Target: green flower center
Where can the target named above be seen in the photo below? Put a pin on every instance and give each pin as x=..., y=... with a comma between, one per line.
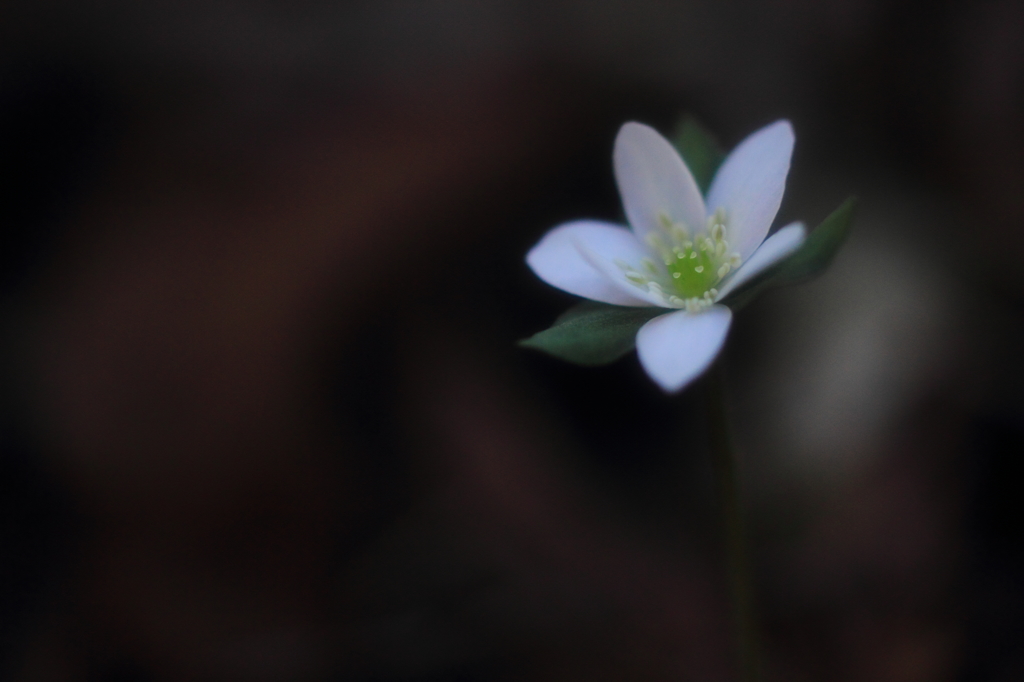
x=691, y=264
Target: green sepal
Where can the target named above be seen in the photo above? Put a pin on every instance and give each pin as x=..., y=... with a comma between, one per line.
x=699, y=150
x=821, y=246
x=809, y=261
x=592, y=333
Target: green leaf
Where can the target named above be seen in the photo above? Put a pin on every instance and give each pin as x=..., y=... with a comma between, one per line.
x=821, y=246
x=699, y=150
x=592, y=333
x=809, y=261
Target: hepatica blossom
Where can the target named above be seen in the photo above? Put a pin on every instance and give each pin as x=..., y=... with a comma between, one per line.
x=667, y=283
x=683, y=252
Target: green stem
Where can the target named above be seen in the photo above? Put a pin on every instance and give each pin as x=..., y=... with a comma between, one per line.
x=723, y=456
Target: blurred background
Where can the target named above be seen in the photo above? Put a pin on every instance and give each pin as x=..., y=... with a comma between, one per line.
x=262, y=416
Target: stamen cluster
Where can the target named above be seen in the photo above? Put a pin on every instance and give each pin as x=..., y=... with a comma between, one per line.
x=691, y=265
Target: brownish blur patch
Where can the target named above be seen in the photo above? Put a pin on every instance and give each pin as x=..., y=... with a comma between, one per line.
x=180, y=357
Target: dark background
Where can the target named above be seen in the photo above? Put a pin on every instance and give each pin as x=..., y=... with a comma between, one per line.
x=262, y=413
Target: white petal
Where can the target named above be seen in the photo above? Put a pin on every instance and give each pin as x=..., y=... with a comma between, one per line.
x=780, y=245
x=557, y=260
x=653, y=180
x=750, y=183
x=676, y=348
x=605, y=256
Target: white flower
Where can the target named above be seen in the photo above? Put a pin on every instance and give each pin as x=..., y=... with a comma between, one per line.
x=683, y=252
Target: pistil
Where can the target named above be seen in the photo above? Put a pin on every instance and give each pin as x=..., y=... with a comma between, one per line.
x=691, y=265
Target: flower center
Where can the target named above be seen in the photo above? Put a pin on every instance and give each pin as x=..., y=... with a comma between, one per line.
x=691, y=265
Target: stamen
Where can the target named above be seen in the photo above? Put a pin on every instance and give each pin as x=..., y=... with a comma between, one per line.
x=690, y=263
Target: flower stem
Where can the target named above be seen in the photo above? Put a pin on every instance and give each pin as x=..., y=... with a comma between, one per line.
x=723, y=456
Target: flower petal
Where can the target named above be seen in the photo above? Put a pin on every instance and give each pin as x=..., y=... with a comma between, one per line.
x=777, y=247
x=557, y=260
x=675, y=349
x=653, y=180
x=605, y=257
x=750, y=183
